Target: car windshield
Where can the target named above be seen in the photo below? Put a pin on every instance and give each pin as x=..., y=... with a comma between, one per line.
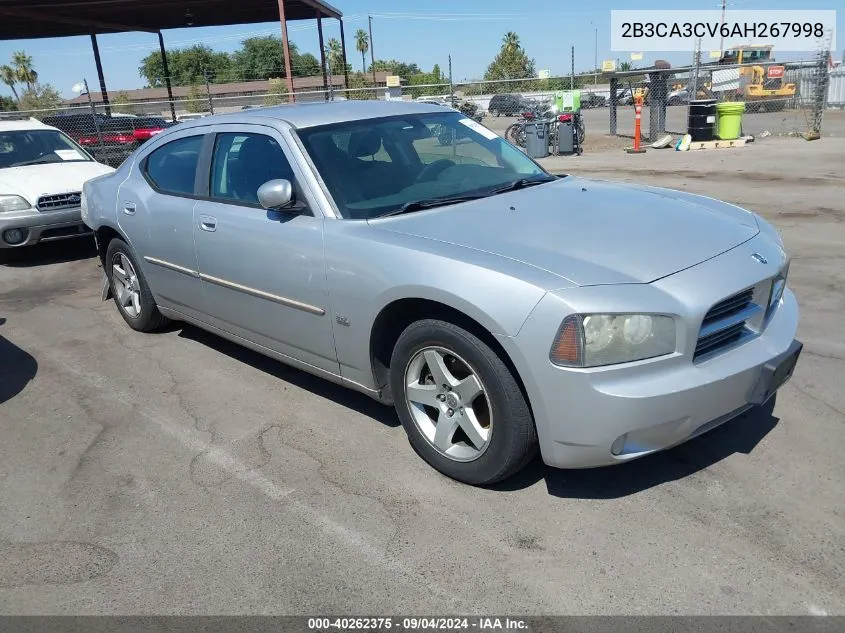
x=38, y=147
x=378, y=167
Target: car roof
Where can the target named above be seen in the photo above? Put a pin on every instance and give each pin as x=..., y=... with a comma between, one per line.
x=23, y=124
x=305, y=115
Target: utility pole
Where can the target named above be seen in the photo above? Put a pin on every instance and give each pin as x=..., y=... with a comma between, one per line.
x=596, y=60
x=372, y=50
x=451, y=86
x=94, y=115
x=572, y=76
x=696, y=61
x=722, y=40
x=208, y=92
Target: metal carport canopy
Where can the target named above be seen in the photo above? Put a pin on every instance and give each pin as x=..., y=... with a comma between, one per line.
x=29, y=19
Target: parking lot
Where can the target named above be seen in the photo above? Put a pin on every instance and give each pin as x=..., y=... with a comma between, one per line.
x=176, y=473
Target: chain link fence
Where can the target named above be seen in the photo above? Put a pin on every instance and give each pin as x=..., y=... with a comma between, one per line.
x=780, y=99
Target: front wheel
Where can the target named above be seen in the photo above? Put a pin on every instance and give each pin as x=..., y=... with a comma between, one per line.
x=460, y=405
x=129, y=288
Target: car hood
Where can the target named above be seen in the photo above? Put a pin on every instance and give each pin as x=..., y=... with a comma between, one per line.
x=33, y=181
x=589, y=232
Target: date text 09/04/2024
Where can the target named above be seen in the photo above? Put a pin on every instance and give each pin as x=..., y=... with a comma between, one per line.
x=417, y=623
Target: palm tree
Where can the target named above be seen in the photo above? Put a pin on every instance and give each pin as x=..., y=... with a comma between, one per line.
x=22, y=64
x=362, y=45
x=510, y=40
x=334, y=52
x=9, y=77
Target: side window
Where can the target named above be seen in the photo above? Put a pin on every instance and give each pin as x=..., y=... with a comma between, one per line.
x=172, y=168
x=242, y=162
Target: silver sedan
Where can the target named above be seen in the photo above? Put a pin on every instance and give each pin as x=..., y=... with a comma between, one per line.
x=500, y=309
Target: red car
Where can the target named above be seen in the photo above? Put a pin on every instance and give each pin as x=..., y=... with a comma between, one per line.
x=121, y=136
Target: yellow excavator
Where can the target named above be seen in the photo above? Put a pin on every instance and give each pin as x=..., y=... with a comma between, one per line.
x=762, y=87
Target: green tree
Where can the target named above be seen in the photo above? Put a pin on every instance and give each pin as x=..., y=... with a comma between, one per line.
x=334, y=56
x=42, y=97
x=276, y=92
x=510, y=63
x=362, y=45
x=436, y=72
x=187, y=66
x=9, y=77
x=395, y=67
x=307, y=65
x=122, y=103
x=264, y=58
x=626, y=66
x=22, y=63
x=7, y=104
x=197, y=99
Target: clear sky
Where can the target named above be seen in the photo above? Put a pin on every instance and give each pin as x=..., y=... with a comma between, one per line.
x=407, y=30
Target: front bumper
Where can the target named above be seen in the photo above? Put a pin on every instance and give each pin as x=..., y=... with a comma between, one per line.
x=43, y=226
x=607, y=415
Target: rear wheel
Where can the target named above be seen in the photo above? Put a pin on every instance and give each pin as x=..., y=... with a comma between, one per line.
x=129, y=289
x=460, y=405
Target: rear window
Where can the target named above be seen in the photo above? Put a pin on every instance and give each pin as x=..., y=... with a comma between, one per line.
x=172, y=168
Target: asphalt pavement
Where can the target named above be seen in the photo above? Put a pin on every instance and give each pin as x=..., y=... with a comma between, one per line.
x=176, y=473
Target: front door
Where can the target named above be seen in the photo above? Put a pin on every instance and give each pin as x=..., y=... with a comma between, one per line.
x=263, y=272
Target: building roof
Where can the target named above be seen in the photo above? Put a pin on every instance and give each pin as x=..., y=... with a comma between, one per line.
x=27, y=19
x=219, y=90
x=304, y=115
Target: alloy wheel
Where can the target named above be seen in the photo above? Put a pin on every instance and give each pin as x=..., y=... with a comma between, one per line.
x=449, y=403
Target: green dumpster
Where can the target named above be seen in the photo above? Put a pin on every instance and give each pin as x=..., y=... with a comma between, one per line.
x=729, y=123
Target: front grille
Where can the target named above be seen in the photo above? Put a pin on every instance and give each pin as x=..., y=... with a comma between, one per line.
x=738, y=317
x=59, y=201
x=722, y=338
x=730, y=306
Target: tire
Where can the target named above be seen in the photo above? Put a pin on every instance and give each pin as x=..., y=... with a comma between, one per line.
x=132, y=296
x=516, y=134
x=499, y=449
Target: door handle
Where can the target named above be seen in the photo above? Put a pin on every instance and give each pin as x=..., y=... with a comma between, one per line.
x=208, y=223
x=129, y=208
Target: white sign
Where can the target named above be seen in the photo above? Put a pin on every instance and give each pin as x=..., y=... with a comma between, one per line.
x=544, y=74
x=68, y=154
x=477, y=127
x=680, y=29
x=635, y=57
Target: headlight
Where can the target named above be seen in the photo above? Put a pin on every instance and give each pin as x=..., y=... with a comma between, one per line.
x=591, y=340
x=778, y=286
x=13, y=203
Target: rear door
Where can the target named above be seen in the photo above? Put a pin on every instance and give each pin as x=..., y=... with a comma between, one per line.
x=156, y=212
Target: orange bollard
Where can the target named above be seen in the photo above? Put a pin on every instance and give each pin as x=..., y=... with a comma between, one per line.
x=638, y=115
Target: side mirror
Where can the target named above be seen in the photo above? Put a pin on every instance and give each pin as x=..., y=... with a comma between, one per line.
x=275, y=194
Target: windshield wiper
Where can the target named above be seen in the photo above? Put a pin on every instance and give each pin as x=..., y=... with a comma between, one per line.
x=430, y=203
x=522, y=183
